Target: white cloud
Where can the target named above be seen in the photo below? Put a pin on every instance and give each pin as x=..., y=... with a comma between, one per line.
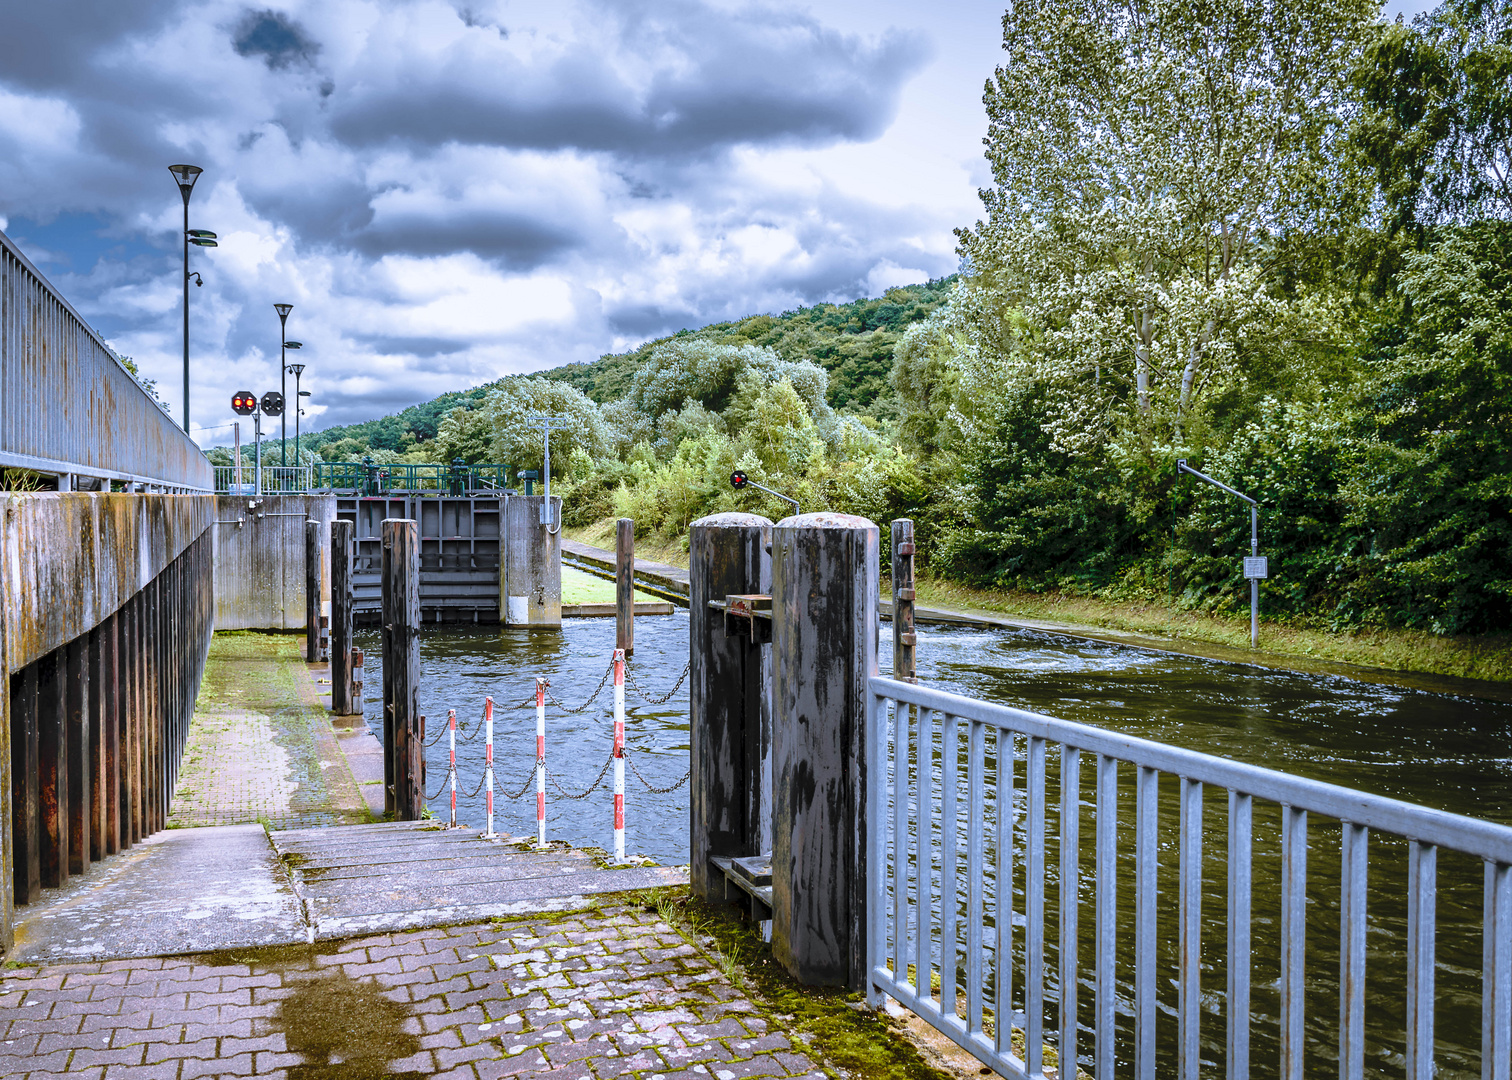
x=447, y=196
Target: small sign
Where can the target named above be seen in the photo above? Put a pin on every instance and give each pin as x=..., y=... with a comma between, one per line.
x=1256, y=566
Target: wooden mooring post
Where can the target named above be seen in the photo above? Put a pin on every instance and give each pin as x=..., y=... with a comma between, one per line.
x=730, y=806
x=402, y=741
x=342, y=554
x=624, y=585
x=824, y=648
x=312, y=591
x=905, y=635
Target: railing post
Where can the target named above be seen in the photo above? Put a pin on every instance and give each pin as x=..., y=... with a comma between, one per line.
x=341, y=617
x=401, y=667
x=824, y=648
x=730, y=719
x=312, y=591
x=624, y=585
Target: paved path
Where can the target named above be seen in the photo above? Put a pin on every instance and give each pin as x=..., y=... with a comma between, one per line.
x=609, y=993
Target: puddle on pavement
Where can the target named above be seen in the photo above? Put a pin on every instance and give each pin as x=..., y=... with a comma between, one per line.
x=342, y=1027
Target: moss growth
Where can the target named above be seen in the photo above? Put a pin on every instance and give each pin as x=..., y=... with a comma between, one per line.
x=852, y=1039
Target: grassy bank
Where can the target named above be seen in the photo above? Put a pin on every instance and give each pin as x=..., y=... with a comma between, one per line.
x=1487, y=656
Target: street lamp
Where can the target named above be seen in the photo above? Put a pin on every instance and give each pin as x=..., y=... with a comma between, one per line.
x=186, y=175
x=283, y=382
x=298, y=393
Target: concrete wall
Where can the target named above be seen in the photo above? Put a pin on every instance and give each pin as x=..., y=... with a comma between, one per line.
x=75, y=568
x=73, y=558
x=530, y=566
x=260, y=559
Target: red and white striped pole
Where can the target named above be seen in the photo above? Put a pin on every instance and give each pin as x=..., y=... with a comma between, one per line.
x=619, y=755
x=451, y=728
x=488, y=758
x=540, y=761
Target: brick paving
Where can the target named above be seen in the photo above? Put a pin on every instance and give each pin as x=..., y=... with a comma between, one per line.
x=606, y=993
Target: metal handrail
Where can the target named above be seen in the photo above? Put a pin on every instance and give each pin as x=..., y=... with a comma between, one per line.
x=373, y=478
x=68, y=407
x=898, y=712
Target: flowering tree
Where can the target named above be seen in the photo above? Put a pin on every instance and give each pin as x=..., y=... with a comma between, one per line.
x=1155, y=166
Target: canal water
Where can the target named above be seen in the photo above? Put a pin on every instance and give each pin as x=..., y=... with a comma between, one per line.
x=1452, y=752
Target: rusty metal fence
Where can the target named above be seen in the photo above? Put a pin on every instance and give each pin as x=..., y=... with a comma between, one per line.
x=68, y=408
x=978, y=883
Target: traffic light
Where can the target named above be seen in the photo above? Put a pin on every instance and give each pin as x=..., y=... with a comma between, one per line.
x=272, y=403
x=737, y=479
x=243, y=403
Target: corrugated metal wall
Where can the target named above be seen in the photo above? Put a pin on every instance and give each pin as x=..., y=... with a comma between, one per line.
x=260, y=559
x=66, y=406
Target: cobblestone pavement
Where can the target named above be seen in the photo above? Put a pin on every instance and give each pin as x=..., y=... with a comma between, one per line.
x=261, y=747
x=606, y=993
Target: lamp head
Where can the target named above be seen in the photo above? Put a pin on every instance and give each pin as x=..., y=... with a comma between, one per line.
x=296, y=369
x=283, y=311
x=185, y=175
x=293, y=344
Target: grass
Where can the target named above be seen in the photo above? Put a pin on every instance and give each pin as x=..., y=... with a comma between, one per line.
x=581, y=588
x=1486, y=656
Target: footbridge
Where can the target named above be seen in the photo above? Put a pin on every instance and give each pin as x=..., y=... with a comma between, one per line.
x=105, y=593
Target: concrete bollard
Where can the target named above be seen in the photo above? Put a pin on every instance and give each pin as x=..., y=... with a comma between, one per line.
x=730, y=734
x=402, y=741
x=530, y=565
x=624, y=585
x=342, y=533
x=824, y=648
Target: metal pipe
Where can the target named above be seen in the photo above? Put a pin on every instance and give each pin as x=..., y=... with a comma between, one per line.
x=1183, y=467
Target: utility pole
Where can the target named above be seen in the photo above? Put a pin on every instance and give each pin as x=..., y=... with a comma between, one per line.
x=546, y=422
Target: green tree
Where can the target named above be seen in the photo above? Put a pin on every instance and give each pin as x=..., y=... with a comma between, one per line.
x=1437, y=117
x=515, y=440
x=1156, y=167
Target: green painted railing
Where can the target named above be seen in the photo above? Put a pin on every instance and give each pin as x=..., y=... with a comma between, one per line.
x=375, y=479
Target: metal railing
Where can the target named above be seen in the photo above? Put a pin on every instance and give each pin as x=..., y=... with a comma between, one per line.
x=275, y=480
x=959, y=788
x=67, y=407
x=375, y=479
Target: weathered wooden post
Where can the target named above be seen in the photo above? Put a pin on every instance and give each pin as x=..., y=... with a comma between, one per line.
x=624, y=585
x=342, y=532
x=80, y=747
x=905, y=637
x=312, y=591
x=26, y=813
x=824, y=648
x=401, y=667
x=52, y=761
x=730, y=722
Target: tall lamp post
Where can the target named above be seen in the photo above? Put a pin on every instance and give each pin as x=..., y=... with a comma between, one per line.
x=283, y=379
x=297, y=369
x=186, y=175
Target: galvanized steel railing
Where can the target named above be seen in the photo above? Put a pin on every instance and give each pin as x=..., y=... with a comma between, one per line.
x=989, y=829
x=274, y=480
x=67, y=407
x=373, y=479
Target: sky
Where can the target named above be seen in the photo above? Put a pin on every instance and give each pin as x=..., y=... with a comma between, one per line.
x=449, y=192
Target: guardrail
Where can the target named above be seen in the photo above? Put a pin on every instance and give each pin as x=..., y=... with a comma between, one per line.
x=275, y=480
x=375, y=479
x=68, y=408
x=958, y=788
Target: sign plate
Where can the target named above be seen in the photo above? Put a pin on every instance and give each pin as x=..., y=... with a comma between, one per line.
x=1256, y=566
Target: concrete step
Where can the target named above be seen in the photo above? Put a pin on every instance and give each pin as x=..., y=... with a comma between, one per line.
x=401, y=875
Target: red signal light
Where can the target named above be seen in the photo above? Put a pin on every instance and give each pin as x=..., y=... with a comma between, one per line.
x=243, y=403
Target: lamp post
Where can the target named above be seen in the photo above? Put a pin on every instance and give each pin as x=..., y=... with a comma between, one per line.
x=1255, y=567
x=283, y=381
x=186, y=175
x=297, y=369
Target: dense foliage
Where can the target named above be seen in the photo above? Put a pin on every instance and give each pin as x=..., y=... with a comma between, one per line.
x=1271, y=238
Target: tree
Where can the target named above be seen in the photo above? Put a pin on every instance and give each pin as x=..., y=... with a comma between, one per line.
x=517, y=441
x=1156, y=166
x=1437, y=117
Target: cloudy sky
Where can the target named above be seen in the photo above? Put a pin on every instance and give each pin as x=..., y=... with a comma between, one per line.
x=452, y=191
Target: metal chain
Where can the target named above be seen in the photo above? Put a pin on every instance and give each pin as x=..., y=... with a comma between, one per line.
x=591, y=697
x=529, y=779
x=433, y=740
x=659, y=790
x=657, y=699
x=482, y=776
x=439, y=790
x=583, y=795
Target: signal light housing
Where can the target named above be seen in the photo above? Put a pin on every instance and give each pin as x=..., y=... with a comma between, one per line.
x=243, y=403
x=738, y=479
x=272, y=403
